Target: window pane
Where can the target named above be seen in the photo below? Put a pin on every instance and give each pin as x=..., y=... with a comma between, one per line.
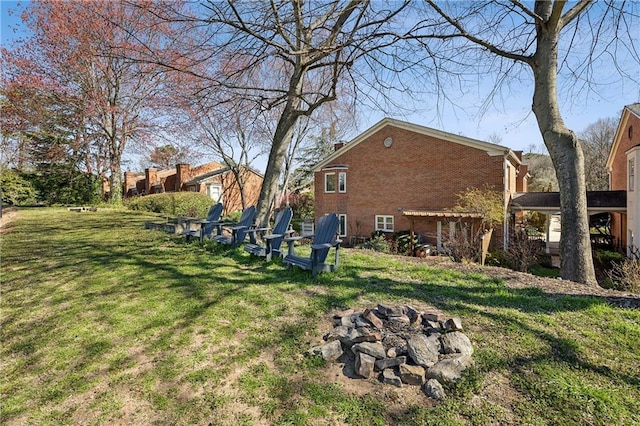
x=330, y=182
x=343, y=225
x=342, y=182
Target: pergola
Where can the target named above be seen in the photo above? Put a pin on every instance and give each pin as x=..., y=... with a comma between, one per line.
x=439, y=216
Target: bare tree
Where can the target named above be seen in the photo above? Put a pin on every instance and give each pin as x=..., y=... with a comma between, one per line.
x=539, y=40
x=300, y=52
x=597, y=139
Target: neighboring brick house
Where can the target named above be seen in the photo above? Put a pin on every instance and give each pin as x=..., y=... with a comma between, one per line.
x=623, y=165
x=213, y=179
x=397, y=175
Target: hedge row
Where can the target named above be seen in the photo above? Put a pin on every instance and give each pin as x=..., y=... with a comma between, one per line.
x=192, y=204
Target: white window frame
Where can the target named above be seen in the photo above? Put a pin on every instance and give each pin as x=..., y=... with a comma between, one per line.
x=386, y=221
x=326, y=181
x=632, y=173
x=342, y=229
x=210, y=187
x=342, y=182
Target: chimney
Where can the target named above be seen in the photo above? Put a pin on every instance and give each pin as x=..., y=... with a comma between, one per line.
x=183, y=173
x=337, y=146
x=151, y=177
x=129, y=182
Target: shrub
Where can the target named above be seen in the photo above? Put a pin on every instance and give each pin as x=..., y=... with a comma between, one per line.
x=462, y=249
x=302, y=205
x=16, y=189
x=604, y=259
x=377, y=243
x=402, y=242
x=625, y=275
x=524, y=252
x=498, y=257
x=193, y=204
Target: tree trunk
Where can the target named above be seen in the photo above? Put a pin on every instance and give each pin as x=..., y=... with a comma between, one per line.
x=115, y=179
x=576, y=262
x=281, y=140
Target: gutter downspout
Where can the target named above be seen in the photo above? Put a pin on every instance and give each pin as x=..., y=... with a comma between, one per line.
x=505, y=223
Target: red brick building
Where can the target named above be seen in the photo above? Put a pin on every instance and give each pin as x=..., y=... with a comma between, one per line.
x=213, y=179
x=623, y=165
x=397, y=175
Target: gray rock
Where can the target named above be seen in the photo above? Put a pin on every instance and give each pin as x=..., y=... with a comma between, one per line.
x=395, y=311
x=383, y=309
x=400, y=319
x=434, y=389
x=390, y=378
x=385, y=363
x=412, y=374
x=375, y=349
x=331, y=351
x=412, y=313
x=364, y=365
x=436, y=325
x=450, y=370
x=346, y=320
x=453, y=324
x=338, y=333
x=344, y=313
x=360, y=321
x=359, y=335
x=423, y=350
x=456, y=342
x=433, y=316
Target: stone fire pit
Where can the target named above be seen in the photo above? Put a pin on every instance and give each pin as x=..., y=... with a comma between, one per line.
x=400, y=346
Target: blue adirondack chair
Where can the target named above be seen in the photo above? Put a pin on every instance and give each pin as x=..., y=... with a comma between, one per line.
x=238, y=230
x=206, y=226
x=272, y=241
x=324, y=238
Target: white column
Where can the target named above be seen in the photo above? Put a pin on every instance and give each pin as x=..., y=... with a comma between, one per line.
x=439, y=236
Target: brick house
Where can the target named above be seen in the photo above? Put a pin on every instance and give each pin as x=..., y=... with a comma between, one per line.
x=213, y=179
x=398, y=176
x=623, y=165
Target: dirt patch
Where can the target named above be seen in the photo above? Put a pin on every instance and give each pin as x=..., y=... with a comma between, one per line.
x=8, y=215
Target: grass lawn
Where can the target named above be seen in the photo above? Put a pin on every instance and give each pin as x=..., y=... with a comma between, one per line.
x=104, y=322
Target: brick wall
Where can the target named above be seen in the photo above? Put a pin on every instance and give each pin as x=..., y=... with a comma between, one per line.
x=629, y=137
x=627, y=141
x=416, y=172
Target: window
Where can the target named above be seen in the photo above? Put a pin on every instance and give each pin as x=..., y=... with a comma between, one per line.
x=330, y=182
x=342, y=182
x=343, y=225
x=214, y=191
x=384, y=223
x=632, y=173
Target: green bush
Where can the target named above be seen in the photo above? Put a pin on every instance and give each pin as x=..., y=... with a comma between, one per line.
x=16, y=189
x=402, y=242
x=377, y=243
x=498, y=257
x=192, y=204
x=604, y=259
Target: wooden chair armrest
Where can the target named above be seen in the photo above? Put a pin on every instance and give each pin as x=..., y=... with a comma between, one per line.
x=325, y=245
x=272, y=236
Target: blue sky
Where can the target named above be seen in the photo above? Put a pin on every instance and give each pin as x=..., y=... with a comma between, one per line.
x=510, y=118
